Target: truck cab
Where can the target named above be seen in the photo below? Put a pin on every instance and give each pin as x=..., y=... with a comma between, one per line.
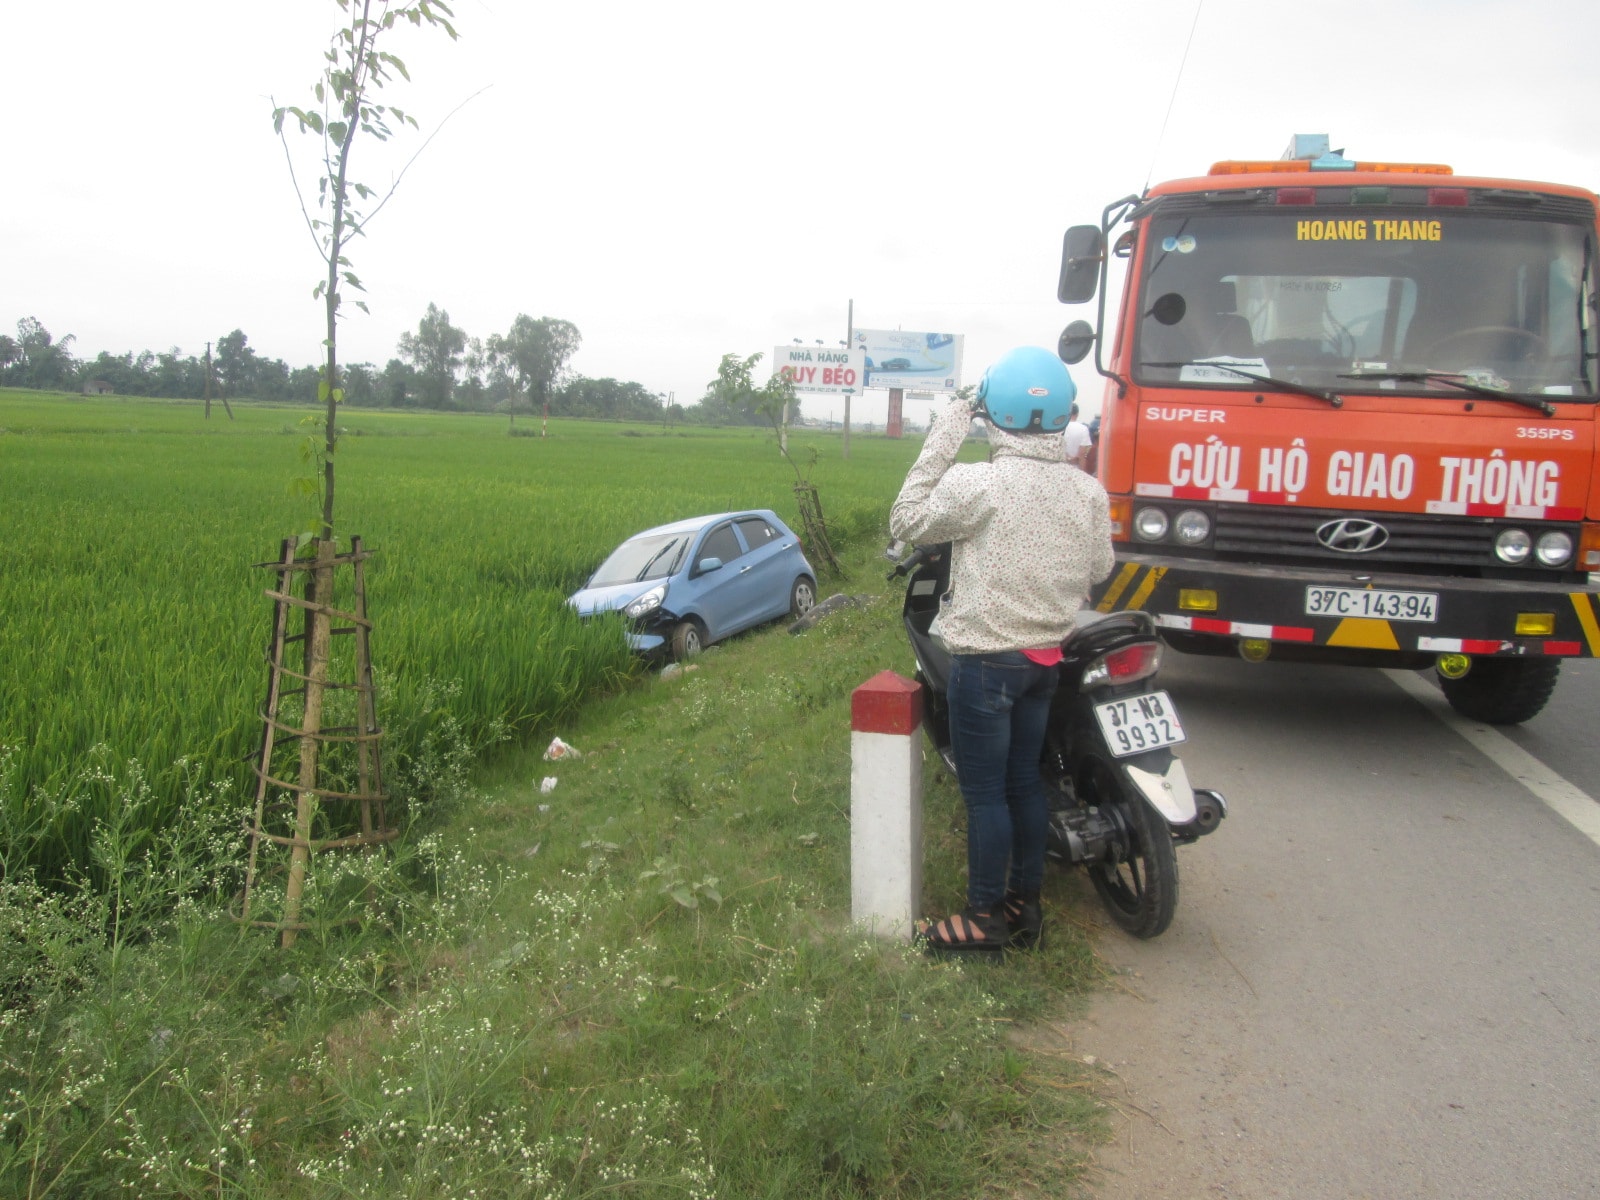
x=1350, y=417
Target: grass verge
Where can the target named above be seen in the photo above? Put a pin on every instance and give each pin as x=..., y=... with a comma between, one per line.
x=642, y=982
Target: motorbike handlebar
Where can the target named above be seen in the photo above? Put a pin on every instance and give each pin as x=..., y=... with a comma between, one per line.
x=908, y=563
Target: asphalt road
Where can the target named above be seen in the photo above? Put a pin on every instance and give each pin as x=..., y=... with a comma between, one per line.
x=1564, y=735
x=1384, y=976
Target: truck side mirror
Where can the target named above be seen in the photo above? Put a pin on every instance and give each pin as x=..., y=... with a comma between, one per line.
x=1082, y=251
x=1077, y=339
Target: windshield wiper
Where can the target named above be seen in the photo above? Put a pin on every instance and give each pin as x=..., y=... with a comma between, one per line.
x=644, y=571
x=1283, y=385
x=1477, y=389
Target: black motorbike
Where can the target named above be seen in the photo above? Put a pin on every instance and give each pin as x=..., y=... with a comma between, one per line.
x=1120, y=800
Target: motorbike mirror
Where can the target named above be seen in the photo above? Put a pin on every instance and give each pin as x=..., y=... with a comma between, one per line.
x=1076, y=340
x=1169, y=309
x=1083, y=249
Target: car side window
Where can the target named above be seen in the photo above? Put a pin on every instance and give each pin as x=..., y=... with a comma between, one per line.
x=758, y=531
x=720, y=543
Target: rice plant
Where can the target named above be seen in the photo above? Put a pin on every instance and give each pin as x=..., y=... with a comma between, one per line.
x=132, y=618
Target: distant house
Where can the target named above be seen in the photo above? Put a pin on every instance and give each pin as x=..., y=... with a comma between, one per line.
x=98, y=387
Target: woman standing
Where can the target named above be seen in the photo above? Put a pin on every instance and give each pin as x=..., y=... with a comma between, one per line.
x=1029, y=535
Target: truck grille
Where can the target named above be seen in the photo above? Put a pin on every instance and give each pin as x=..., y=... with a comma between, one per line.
x=1414, y=540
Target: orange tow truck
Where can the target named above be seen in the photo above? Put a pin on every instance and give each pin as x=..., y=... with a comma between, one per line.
x=1349, y=417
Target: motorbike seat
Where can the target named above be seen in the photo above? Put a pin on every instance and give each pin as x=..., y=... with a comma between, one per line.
x=1129, y=621
x=1098, y=631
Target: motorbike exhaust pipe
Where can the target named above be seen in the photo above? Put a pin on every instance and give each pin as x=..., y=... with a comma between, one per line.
x=1210, y=807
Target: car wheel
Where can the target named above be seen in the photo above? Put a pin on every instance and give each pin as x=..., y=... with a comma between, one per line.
x=802, y=596
x=688, y=639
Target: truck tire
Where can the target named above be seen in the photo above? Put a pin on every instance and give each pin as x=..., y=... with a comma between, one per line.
x=1503, y=691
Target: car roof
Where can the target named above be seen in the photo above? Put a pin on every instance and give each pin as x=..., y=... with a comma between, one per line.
x=695, y=524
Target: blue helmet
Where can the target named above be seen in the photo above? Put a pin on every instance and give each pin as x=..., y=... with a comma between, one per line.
x=1028, y=391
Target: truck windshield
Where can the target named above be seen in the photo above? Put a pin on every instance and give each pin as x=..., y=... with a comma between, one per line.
x=1400, y=296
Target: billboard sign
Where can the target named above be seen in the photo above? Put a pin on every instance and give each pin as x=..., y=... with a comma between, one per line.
x=836, y=372
x=928, y=362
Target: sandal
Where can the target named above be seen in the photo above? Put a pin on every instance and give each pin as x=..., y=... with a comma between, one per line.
x=1024, y=921
x=967, y=932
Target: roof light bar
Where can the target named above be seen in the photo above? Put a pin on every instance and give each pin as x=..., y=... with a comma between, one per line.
x=1279, y=167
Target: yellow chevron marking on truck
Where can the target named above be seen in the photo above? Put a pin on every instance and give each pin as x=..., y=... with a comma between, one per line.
x=1584, y=603
x=1148, y=586
x=1370, y=633
x=1118, y=586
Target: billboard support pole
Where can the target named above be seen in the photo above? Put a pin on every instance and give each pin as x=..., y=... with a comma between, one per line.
x=897, y=397
x=849, y=340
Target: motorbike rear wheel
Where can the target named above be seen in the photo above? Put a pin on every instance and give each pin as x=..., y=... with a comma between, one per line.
x=1139, y=882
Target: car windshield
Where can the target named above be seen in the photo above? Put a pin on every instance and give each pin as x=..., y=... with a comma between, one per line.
x=1370, y=298
x=650, y=556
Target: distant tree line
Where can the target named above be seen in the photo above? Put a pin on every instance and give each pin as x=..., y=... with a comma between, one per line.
x=437, y=367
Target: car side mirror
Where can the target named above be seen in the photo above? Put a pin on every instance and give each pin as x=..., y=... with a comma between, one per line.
x=1076, y=340
x=708, y=564
x=1083, y=250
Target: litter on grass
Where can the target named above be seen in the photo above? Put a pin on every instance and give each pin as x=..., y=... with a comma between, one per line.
x=560, y=749
x=547, y=784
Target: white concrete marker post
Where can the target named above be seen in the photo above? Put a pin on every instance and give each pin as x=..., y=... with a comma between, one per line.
x=886, y=804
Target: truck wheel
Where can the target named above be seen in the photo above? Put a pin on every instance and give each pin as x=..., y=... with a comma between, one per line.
x=1503, y=691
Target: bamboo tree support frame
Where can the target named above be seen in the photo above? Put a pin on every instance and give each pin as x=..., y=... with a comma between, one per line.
x=815, y=528
x=321, y=623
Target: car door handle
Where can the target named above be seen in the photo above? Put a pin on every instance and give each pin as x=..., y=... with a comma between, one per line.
x=743, y=569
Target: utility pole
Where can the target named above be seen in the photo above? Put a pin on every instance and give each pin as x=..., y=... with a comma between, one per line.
x=849, y=343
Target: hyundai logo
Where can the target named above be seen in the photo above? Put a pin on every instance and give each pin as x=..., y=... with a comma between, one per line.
x=1352, y=536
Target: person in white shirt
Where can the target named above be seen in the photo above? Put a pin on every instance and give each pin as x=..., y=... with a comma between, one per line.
x=1076, y=440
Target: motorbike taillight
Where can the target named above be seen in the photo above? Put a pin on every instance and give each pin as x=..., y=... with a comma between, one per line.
x=1125, y=664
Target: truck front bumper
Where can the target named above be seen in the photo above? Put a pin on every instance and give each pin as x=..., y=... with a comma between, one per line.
x=1202, y=606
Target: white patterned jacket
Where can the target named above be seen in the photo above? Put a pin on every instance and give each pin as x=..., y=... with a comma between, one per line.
x=1030, y=534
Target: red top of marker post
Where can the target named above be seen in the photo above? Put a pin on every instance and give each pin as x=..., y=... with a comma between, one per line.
x=886, y=703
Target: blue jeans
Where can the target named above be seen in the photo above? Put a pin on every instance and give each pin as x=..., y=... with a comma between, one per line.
x=999, y=709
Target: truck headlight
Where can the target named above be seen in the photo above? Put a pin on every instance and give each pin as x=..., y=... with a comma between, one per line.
x=1513, y=546
x=1192, y=527
x=1150, y=524
x=1553, y=548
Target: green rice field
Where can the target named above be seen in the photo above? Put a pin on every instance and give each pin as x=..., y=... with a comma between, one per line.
x=133, y=621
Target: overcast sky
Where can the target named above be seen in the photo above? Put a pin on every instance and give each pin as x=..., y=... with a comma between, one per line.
x=685, y=180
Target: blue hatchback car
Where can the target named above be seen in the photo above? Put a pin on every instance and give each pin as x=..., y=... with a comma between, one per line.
x=685, y=585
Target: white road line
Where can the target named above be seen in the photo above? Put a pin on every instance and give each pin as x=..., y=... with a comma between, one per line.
x=1571, y=803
